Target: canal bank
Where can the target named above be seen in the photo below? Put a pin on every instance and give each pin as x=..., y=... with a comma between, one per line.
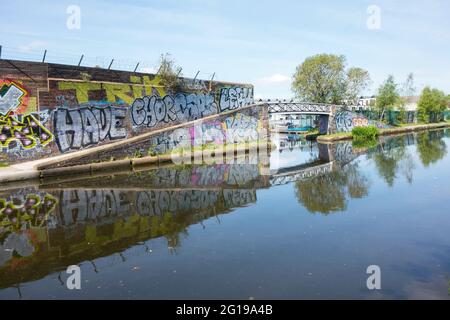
x=342, y=136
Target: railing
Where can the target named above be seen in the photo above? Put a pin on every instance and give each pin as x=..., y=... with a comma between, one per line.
x=295, y=106
x=33, y=54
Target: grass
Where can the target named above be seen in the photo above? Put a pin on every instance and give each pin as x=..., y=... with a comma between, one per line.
x=4, y=165
x=364, y=134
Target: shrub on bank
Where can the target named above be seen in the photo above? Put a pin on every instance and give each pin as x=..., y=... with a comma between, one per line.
x=361, y=134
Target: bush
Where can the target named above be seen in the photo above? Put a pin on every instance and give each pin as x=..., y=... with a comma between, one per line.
x=368, y=133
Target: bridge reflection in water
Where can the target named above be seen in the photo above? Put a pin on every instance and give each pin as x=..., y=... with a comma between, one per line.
x=45, y=228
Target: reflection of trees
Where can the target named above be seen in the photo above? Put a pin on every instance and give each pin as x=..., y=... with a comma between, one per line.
x=392, y=157
x=407, y=167
x=328, y=193
x=431, y=147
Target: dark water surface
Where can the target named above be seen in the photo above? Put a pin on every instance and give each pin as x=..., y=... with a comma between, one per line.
x=309, y=229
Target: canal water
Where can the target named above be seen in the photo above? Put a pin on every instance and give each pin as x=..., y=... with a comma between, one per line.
x=306, y=226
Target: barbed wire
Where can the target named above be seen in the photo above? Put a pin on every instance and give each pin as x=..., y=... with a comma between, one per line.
x=86, y=60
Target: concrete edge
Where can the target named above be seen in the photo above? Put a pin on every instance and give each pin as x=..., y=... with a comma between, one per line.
x=386, y=132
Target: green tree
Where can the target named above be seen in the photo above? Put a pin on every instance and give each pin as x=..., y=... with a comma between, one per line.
x=388, y=96
x=323, y=78
x=431, y=105
x=357, y=80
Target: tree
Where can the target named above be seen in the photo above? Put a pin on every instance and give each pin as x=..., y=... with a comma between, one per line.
x=388, y=96
x=169, y=72
x=357, y=80
x=408, y=89
x=323, y=78
x=431, y=105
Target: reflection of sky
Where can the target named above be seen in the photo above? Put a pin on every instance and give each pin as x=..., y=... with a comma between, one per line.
x=301, y=152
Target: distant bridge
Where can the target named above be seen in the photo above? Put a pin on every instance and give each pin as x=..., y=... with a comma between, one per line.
x=326, y=112
x=293, y=106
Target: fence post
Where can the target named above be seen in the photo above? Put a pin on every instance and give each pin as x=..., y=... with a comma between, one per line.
x=136, y=67
x=110, y=64
x=45, y=54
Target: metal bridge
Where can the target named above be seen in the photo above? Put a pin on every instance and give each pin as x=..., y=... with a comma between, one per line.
x=292, y=106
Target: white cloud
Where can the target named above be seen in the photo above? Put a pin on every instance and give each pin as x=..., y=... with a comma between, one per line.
x=148, y=70
x=275, y=78
x=32, y=46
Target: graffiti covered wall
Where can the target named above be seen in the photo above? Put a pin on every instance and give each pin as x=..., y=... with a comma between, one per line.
x=48, y=109
x=345, y=121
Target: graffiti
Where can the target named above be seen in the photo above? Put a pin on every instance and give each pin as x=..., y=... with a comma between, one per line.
x=152, y=110
x=25, y=131
x=168, y=141
x=235, y=98
x=196, y=84
x=18, y=130
x=88, y=126
x=242, y=174
x=90, y=205
x=12, y=96
x=113, y=93
x=78, y=206
x=160, y=202
x=18, y=211
x=18, y=244
x=235, y=129
x=345, y=121
x=209, y=132
x=237, y=198
x=240, y=128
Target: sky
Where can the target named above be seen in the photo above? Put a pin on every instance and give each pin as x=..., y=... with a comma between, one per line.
x=246, y=41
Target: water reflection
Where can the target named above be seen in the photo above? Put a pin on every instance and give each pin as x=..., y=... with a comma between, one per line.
x=328, y=193
x=45, y=228
x=431, y=147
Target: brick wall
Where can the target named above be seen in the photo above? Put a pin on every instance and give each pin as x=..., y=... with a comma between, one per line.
x=50, y=109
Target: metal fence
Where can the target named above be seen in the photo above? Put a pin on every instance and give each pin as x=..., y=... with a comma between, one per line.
x=393, y=117
x=89, y=60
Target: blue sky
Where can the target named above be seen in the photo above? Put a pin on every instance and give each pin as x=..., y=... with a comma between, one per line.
x=259, y=42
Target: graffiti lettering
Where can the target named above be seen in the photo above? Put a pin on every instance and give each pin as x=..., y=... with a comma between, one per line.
x=235, y=98
x=241, y=128
x=11, y=96
x=32, y=208
x=25, y=131
x=88, y=126
x=152, y=110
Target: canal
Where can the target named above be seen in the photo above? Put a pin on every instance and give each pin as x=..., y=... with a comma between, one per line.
x=306, y=226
